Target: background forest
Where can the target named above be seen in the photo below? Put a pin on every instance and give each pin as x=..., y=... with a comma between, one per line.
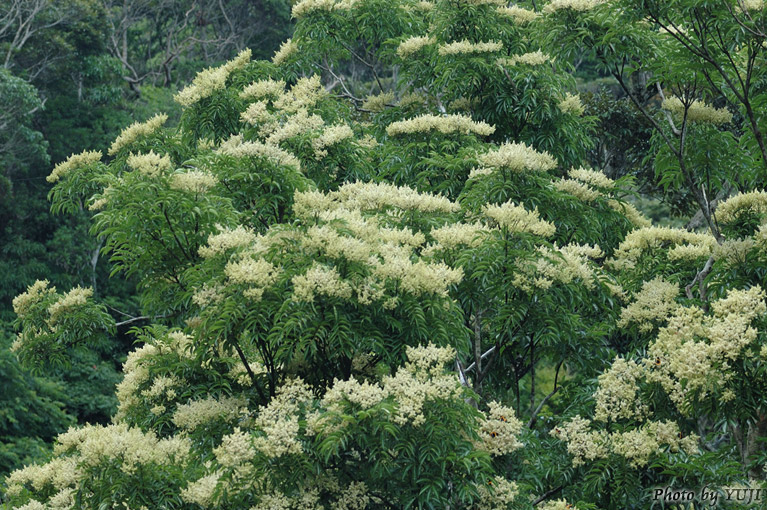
x=73, y=75
x=381, y=253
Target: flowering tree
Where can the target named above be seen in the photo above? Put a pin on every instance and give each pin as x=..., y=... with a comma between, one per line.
x=357, y=284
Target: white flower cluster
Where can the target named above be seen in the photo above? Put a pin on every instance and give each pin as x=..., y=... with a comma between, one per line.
x=136, y=131
x=287, y=50
x=693, y=353
x=534, y=58
x=517, y=157
x=212, y=79
x=577, y=189
x=591, y=177
x=572, y=104
x=237, y=148
x=74, y=162
x=149, y=164
x=753, y=203
x=645, y=239
x=413, y=45
x=574, y=5
x=637, y=445
x=34, y=294
x=447, y=124
x=193, y=181
x=466, y=47
x=697, y=111
x=304, y=7
x=616, y=397
x=518, y=14
x=517, y=219
x=499, y=432
x=651, y=306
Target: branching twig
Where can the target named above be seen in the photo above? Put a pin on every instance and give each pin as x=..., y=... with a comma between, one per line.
x=534, y=417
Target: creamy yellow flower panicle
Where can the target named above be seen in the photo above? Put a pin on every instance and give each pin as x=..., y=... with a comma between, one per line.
x=517, y=157
x=58, y=474
x=75, y=298
x=235, y=450
x=466, y=47
x=518, y=14
x=101, y=201
x=446, y=124
x=641, y=240
x=197, y=413
x=734, y=252
x=635, y=445
x=583, y=444
x=34, y=294
x=421, y=380
x=698, y=349
x=370, y=197
x=227, y=239
x=413, y=45
x=135, y=373
x=424, y=6
x=751, y=5
x=453, y=235
x=210, y=80
x=515, y=218
x=257, y=273
x=257, y=114
x=193, y=181
x=698, y=111
x=365, y=395
x=751, y=203
x=577, y=189
x=279, y=420
x=366, y=142
x=74, y=162
x=287, y=50
x=498, y=432
x=651, y=306
x=268, y=88
x=483, y=2
x=137, y=130
x=304, y=7
x=591, y=177
x=130, y=446
x=162, y=387
x=630, y=211
x=295, y=125
x=417, y=278
x=616, y=397
x=305, y=93
x=639, y=445
x=355, y=497
x=202, y=491
x=149, y=164
x=557, y=504
x=378, y=102
x=535, y=58
x=320, y=280
x=574, y=5
x=572, y=104
x=330, y=136
x=562, y=265
x=497, y=493
x=237, y=148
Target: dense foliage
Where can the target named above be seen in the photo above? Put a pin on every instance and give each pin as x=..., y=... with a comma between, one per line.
x=399, y=265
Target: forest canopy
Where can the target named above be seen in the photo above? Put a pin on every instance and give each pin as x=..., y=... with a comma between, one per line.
x=443, y=254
